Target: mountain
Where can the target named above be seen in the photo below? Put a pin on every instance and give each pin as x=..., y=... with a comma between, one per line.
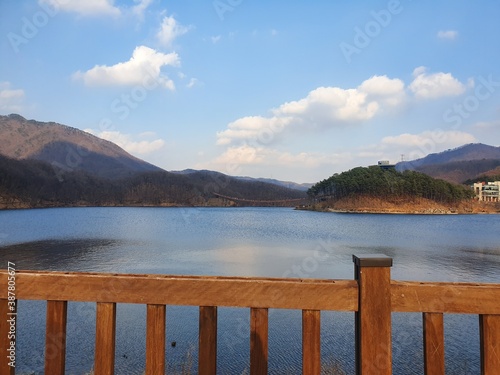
x=48, y=164
x=29, y=183
x=377, y=190
x=288, y=184
x=67, y=149
x=457, y=165
x=472, y=151
x=460, y=171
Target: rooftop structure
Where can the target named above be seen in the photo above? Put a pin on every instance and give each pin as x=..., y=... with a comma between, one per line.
x=385, y=164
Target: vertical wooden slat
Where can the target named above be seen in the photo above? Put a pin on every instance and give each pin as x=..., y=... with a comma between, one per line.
x=489, y=331
x=311, y=342
x=104, y=360
x=5, y=341
x=155, y=339
x=433, y=343
x=55, y=337
x=258, y=341
x=373, y=318
x=207, y=352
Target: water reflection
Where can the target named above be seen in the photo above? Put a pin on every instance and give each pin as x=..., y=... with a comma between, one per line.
x=56, y=254
x=245, y=242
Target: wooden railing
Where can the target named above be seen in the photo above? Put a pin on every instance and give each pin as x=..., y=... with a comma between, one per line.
x=373, y=296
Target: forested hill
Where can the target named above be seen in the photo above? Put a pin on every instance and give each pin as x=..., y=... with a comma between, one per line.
x=34, y=183
x=388, y=184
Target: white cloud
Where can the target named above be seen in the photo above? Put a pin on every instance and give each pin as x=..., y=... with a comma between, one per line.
x=170, y=29
x=127, y=142
x=259, y=161
x=143, y=68
x=246, y=155
x=10, y=99
x=487, y=125
x=252, y=143
x=415, y=146
x=252, y=128
x=431, y=86
x=85, y=8
x=336, y=105
x=323, y=107
x=192, y=82
x=243, y=154
x=411, y=146
x=141, y=7
x=446, y=139
x=447, y=34
x=215, y=39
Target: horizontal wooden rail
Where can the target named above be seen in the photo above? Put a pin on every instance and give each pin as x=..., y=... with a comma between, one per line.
x=373, y=296
x=308, y=294
x=451, y=298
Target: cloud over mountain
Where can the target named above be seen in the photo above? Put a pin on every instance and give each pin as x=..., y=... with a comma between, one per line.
x=323, y=107
x=10, y=99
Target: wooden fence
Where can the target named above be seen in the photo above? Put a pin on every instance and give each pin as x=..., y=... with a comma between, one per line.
x=373, y=296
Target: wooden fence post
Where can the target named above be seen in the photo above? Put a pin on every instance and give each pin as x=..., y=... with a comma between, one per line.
x=373, y=318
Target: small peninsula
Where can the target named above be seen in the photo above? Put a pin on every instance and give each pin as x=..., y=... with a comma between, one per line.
x=385, y=190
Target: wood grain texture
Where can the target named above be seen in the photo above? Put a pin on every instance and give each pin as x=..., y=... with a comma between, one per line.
x=259, y=324
x=5, y=341
x=55, y=337
x=155, y=339
x=207, y=357
x=466, y=298
x=311, y=342
x=373, y=322
x=433, y=334
x=104, y=360
x=489, y=331
x=309, y=294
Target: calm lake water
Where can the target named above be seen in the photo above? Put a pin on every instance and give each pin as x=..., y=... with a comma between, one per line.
x=245, y=242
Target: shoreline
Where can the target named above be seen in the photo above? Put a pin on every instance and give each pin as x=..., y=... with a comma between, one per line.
x=416, y=206
x=353, y=211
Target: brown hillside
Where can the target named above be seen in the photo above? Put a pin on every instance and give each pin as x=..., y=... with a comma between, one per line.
x=363, y=204
x=492, y=172
x=66, y=147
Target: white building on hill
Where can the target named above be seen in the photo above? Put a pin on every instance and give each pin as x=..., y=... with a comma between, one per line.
x=487, y=192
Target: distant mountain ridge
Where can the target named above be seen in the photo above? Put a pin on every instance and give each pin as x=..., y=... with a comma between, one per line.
x=288, y=184
x=29, y=183
x=52, y=165
x=471, y=151
x=67, y=148
x=457, y=165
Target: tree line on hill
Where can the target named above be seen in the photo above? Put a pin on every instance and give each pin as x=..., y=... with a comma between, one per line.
x=482, y=178
x=39, y=184
x=388, y=184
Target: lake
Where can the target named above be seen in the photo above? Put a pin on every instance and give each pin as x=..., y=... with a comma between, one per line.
x=272, y=242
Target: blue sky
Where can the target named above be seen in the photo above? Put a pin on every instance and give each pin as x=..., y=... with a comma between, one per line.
x=292, y=90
